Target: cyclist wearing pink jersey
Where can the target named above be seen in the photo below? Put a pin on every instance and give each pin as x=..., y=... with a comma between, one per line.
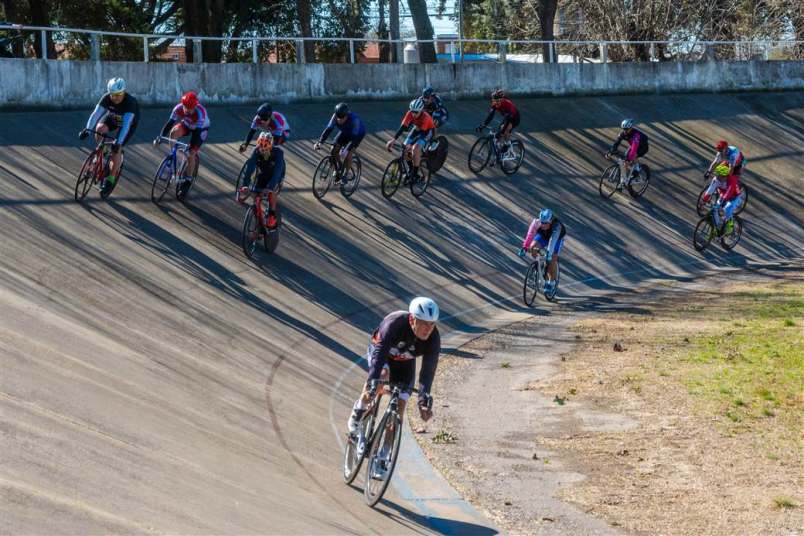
x=268, y=120
x=188, y=118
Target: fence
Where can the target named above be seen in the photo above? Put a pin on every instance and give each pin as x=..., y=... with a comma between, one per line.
x=77, y=44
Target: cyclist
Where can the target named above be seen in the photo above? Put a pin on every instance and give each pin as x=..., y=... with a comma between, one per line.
x=728, y=154
x=269, y=162
x=727, y=185
x=506, y=108
x=434, y=106
x=547, y=232
x=401, y=337
x=188, y=117
x=421, y=125
x=352, y=131
x=268, y=120
x=637, y=145
x=115, y=110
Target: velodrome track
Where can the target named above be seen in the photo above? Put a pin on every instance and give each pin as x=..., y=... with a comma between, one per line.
x=154, y=380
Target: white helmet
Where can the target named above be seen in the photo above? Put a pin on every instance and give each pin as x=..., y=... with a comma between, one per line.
x=417, y=105
x=116, y=85
x=424, y=309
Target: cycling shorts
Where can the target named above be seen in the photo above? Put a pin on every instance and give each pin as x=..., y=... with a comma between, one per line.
x=197, y=136
x=543, y=242
x=351, y=142
x=418, y=137
x=403, y=372
x=112, y=125
x=512, y=120
x=265, y=182
x=732, y=206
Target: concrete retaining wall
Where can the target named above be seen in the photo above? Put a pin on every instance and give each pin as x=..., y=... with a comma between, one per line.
x=79, y=83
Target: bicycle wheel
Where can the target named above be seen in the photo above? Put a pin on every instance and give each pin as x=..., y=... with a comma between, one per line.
x=241, y=176
x=703, y=234
x=728, y=241
x=702, y=207
x=420, y=183
x=609, y=181
x=107, y=190
x=531, y=286
x=551, y=295
x=639, y=182
x=183, y=188
x=436, y=157
x=251, y=231
x=513, y=157
x=271, y=236
x=385, y=444
x=744, y=195
x=351, y=178
x=352, y=458
x=161, y=181
x=322, y=177
x=392, y=178
x=86, y=177
x=480, y=154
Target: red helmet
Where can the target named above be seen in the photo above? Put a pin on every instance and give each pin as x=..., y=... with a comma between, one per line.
x=189, y=100
x=721, y=145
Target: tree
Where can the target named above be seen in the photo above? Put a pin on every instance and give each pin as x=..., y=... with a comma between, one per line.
x=547, y=18
x=424, y=30
x=304, y=10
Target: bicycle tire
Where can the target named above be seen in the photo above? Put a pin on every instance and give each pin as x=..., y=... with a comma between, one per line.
x=701, y=206
x=391, y=178
x=737, y=233
x=160, y=185
x=419, y=185
x=350, y=471
x=251, y=232
x=516, y=145
x=86, y=177
x=744, y=195
x=370, y=496
x=322, y=177
x=611, y=176
x=551, y=296
x=271, y=236
x=530, y=287
x=183, y=189
x=477, y=151
x=357, y=172
x=436, y=159
x=241, y=176
x=106, y=192
x=707, y=231
x=636, y=193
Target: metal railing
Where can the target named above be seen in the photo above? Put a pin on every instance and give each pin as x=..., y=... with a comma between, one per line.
x=53, y=42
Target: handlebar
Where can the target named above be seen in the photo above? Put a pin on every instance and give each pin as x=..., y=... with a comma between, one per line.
x=104, y=135
x=161, y=138
x=374, y=384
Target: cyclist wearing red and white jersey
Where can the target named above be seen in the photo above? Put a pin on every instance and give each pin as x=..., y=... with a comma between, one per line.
x=188, y=118
x=728, y=154
x=421, y=131
x=506, y=108
x=268, y=120
x=727, y=185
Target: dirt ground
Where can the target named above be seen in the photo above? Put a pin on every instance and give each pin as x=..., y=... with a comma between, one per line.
x=595, y=440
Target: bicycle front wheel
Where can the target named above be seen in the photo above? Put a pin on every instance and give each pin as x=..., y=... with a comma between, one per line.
x=420, y=183
x=251, y=232
x=382, y=458
x=392, y=178
x=480, y=154
x=609, y=181
x=513, y=157
x=703, y=234
x=86, y=177
x=531, y=286
x=322, y=177
x=351, y=178
x=702, y=207
x=352, y=457
x=161, y=181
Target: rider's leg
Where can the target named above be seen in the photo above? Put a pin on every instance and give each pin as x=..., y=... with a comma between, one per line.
x=197, y=139
x=179, y=131
x=417, y=157
x=551, y=268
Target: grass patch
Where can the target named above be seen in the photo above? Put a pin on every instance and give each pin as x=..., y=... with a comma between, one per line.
x=505, y=364
x=785, y=502
x=444, y=437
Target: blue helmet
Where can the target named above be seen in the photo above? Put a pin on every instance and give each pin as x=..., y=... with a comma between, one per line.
x=627, y=123
x=546, y=215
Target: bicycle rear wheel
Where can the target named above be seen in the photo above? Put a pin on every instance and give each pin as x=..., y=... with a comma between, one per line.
x=609, y=181
x=86, y=177
x=351, y=178
x=513, y=157
x=531, y=286
x=702, y=207
x=322, y=177
x=352, y=458
x=729, y=241
x=161, y=181
x=420, y=183
x=703, y=234
x=480, y=154
x=744, y=195
x=384, y=451
x=639, y=182
x=392, y=178
x=251, y=232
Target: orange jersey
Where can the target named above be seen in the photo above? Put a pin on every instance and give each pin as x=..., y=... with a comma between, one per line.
x=424, y=122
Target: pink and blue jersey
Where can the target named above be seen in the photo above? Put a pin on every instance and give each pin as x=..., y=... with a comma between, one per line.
x=277, y=125
x=197, y=118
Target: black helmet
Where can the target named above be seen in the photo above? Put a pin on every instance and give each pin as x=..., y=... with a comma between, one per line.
x=498, y=94
x=341, y=109
x=264, y=111
x=428, y=91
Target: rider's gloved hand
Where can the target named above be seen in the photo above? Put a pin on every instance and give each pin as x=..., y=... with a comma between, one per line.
x=316, y=145
x=479, y=128
x=156, y=141
x=521, y=252
x=242, y=148
x=389, y=145
x=707, y=175
x=83, y=134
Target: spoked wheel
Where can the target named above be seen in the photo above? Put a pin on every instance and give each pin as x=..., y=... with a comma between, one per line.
x=351, y=177
x=323, y=177
x=86, y=177
x=531, y=286
x=419, y=184
x=729, y=240
x=241, y=177
x=551, y=295
x=480, y=154
x=251, y=231
x=639, y=182
x=161, y=181
x=609, y=181
x=271, y=236
x=183, y=188
x=352, y=458
x=743, y=195
x=392, y=178
x=704, y=233
x=437, y=153
x=382, y=459
x=702, y=207
x=512, y=158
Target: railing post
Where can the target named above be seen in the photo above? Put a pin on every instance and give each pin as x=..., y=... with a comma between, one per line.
x=197, y=58
x=604, y=52
x=146, y=54
x=255, y=48
x=43, y=43
x=501, y=51
x=351, y=51
x=299, y=51
x=767, y=51
x=452, y=51
x=652, y=51
x=552, y=52
x=94, y=47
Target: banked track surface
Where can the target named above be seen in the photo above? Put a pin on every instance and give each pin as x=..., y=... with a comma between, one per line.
x=154, y=380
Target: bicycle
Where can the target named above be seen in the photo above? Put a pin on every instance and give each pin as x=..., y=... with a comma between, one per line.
x=170, y=171
x=703, y=208
x=486, y=146
x=536, y=277
x=241, y=177
x=710, y=227
x=95, y=169
x=380, y=445
x=400, y=171
x=330, y=170
x=612, y=178
x=255, y=224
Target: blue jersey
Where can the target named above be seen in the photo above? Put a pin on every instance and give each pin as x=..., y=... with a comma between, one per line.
x=353, y=127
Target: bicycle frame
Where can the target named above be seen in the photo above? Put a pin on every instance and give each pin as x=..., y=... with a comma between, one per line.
x=176, y=145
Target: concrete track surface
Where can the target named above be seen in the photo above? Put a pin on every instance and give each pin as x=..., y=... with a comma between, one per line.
x=154, y=380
